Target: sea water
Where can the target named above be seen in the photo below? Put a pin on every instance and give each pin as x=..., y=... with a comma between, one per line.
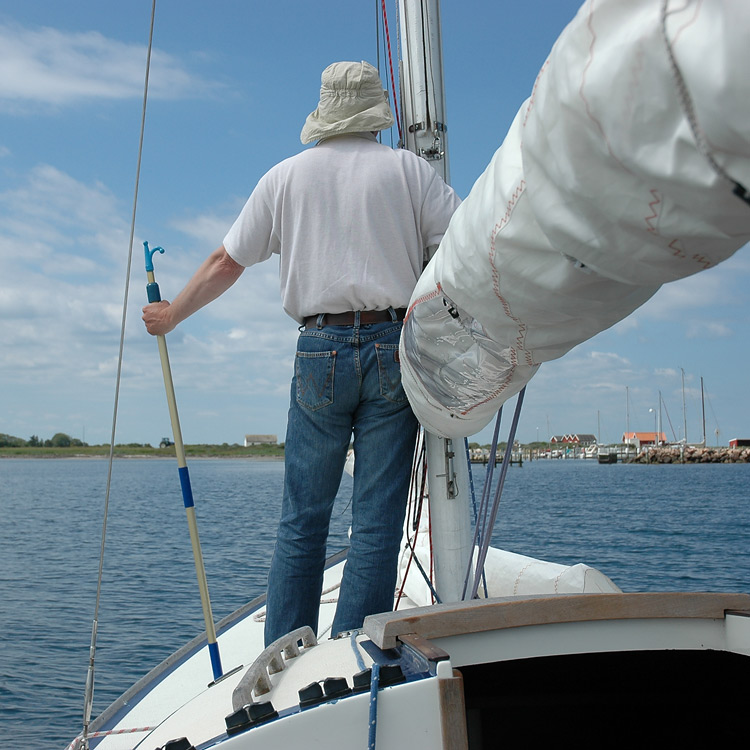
x=682, y=528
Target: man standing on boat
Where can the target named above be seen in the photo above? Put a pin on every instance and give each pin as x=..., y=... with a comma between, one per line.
x=351, y=219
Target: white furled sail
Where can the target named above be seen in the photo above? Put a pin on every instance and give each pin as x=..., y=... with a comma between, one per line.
x=622, y=171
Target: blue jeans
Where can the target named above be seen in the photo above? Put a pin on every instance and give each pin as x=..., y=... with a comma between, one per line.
x=347, y=381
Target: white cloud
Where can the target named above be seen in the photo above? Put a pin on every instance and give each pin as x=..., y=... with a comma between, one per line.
x=608, y=359
x=708, y=329
x=208, y=229
x=50, y=214
x=716, y=286
x=58, y=238
x=706, y=306
x=626, y=325
x=45, y=66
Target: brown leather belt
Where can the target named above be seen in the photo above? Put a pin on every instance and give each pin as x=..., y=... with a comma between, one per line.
x=347, y=318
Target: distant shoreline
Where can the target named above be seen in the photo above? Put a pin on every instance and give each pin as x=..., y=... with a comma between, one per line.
x=252, y=453
x=130, y=456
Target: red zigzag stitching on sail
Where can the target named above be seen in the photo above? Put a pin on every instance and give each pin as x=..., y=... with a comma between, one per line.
x=517, y=193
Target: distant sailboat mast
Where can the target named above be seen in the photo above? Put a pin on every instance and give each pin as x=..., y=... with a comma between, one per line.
x=627, y=412
x=684, y=412
x=659, y=430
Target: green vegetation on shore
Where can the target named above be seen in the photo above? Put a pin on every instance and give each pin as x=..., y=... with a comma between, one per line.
x=63, y=446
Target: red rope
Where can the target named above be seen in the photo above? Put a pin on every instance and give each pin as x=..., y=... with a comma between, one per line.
x=390, y=63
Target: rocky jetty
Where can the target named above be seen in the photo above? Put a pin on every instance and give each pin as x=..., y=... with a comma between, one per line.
x=692, y=455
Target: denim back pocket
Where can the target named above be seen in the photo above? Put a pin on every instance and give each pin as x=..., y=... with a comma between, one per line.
x=389, y=372
x=314, y=376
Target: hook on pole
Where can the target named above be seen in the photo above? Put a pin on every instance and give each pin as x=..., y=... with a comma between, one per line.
x=152, y=288
x=149, y=256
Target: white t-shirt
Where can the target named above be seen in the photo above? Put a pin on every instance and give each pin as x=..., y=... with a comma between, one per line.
x=350, y=219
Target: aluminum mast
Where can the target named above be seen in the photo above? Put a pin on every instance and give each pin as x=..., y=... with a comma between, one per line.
x=425, y=133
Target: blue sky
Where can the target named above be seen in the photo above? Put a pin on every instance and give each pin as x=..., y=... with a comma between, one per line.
x=231, y=85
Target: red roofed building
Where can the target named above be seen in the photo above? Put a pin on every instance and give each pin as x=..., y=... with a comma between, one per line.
x=578, y=438
x=639, y=439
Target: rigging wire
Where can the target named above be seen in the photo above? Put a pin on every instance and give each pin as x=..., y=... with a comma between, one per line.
x=428, y=68
x=482, y=552
x=390, y=65
x=415, y=503
x=89, y=691
x=473, y=495
x=380, y=46
x=716, y=420
x=671, y=426
x=417, y=494
x=400, y=58
x=377, y=46
x=480, y=516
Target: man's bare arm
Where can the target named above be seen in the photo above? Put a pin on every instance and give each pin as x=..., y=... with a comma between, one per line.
x=215, y=275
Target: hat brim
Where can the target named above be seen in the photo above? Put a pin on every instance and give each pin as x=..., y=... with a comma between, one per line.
x=374, y=119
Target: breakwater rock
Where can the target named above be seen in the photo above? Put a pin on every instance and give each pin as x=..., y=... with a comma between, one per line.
x=692, y=455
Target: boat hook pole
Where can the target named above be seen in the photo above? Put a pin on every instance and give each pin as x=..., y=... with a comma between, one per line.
x=154, y=295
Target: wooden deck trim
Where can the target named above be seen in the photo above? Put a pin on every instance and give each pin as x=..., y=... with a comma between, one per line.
x=453, y=712
x=481, y=615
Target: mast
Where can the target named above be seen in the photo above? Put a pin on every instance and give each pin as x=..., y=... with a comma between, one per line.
x=659, y=431
x=684, y=412
x=425, y=133
x=627, y=412
x=422, y=84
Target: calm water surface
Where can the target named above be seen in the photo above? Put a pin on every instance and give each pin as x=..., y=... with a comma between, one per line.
x=647, y=527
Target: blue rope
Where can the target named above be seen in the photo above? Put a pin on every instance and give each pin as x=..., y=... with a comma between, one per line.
x=374, y=680
x=373, y=722
x=425, y=576
x=355, y=648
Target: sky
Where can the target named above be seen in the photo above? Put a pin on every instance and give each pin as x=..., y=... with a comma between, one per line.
x=231, y=84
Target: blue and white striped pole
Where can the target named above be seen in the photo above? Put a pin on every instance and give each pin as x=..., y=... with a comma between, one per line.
x=154, y=295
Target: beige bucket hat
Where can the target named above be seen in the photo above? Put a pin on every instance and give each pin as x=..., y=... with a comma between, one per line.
x=352, y=100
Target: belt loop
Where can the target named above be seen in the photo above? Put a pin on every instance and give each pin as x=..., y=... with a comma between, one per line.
x=392, y=312
x=356, y=318
x=319, y=321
